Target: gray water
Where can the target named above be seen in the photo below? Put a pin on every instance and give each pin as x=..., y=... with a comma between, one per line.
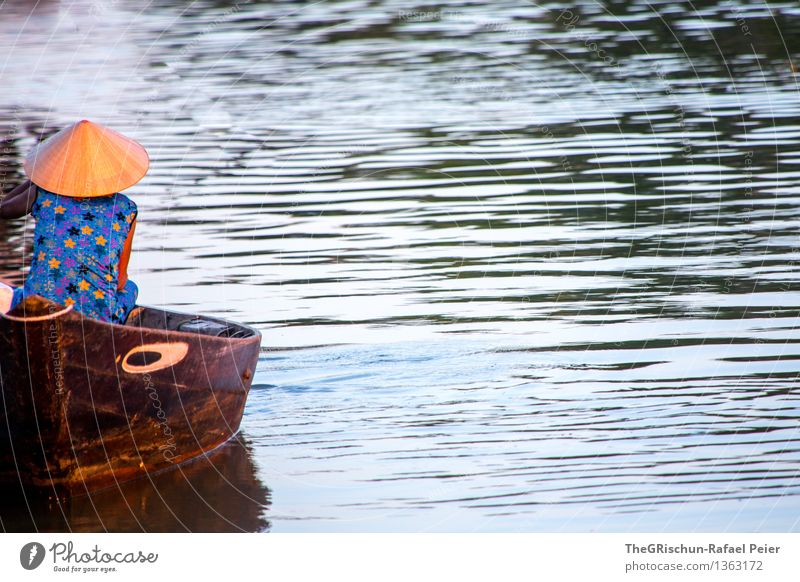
x=518, y=266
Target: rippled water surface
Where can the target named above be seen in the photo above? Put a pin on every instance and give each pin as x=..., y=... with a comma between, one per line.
x=518, y=266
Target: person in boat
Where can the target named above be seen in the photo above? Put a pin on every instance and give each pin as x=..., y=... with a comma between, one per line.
x=84, y=225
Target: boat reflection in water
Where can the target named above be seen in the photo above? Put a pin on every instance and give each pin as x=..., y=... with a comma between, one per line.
x=218, y=492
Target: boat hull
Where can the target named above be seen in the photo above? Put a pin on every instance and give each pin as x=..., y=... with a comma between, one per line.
x=87, y=405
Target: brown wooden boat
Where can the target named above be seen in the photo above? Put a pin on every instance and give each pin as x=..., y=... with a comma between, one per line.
x=87, y=404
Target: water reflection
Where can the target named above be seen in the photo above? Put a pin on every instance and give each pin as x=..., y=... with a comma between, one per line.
x=216, y=493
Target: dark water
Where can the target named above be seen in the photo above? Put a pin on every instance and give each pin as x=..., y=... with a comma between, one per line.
x=519, y=267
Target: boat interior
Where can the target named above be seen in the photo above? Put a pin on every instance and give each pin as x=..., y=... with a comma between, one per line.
x=147, y=317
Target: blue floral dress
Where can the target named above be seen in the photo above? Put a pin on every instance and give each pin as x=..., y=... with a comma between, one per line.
x=77, y=247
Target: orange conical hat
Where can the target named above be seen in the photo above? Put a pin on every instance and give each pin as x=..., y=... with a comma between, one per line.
x=86, y=160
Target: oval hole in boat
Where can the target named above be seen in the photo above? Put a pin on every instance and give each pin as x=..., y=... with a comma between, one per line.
x=153, y=357
x=141, y=359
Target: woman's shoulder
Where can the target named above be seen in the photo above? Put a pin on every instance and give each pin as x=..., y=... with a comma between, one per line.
x=122, y=197
x=125, y=208
x=46, y=200
x=42, y=194
x=124, y=204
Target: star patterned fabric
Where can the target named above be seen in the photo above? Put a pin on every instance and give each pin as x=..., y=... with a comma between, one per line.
x=77, y=245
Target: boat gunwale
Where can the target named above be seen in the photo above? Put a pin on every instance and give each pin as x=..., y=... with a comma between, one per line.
x=69, y=316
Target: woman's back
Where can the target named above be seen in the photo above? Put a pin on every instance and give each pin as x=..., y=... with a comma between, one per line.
x=78, y=244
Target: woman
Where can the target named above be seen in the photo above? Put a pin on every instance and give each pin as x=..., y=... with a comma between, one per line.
x=84, y=226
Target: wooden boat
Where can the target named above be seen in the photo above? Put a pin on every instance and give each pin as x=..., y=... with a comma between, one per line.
x=87, y=404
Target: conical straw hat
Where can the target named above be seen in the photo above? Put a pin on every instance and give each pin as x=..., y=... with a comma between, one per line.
x=86, y=160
